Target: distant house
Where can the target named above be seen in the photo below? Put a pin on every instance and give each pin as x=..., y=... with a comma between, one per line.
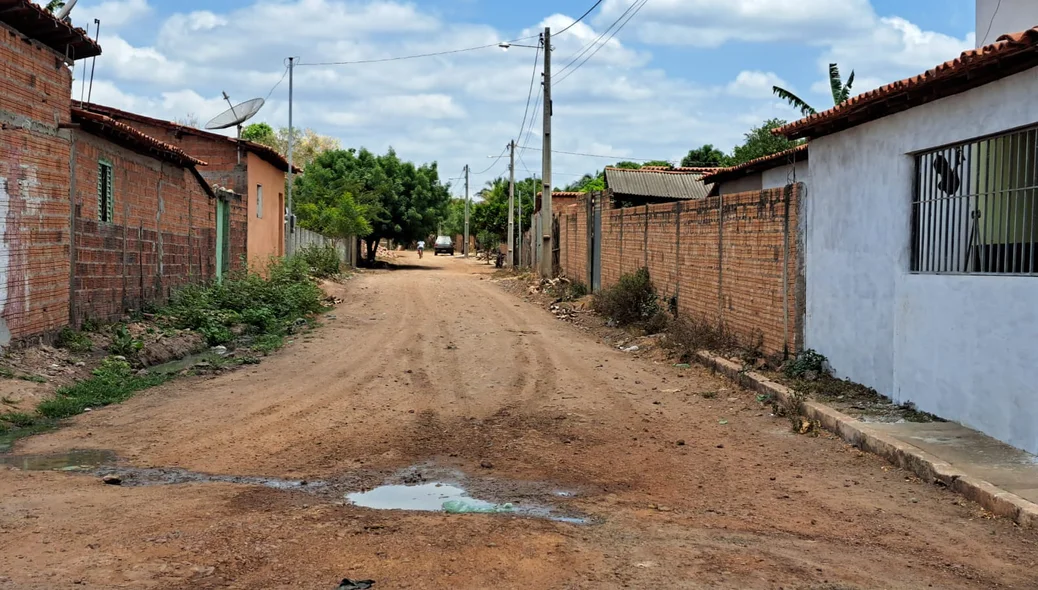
x=254, y=171
x=774, y=171
x=920, y=233
x=144, y=219
x=655, y=184
x=37, y=52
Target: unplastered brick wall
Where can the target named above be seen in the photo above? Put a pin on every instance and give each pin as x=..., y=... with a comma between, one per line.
x=573, y=261
x=731, y=260
x=35, y=90
x=162, y=234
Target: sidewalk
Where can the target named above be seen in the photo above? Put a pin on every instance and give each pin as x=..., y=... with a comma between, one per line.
x=1001, y=478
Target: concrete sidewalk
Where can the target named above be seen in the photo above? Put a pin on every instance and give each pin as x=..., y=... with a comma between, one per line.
x=1001, y=478
x=973, y=453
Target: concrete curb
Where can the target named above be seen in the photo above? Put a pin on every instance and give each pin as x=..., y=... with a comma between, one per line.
x=925, y=465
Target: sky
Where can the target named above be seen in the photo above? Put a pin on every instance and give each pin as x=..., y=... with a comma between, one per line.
x=677, y=75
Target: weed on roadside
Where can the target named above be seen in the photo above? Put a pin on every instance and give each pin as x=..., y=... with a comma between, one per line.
x=112, y=382
x=123, y=343
x=19, y=419
x=74, y=341
x=33, y=378
x=689, y=335
x=322, y=260
x=268, y=343
x=805, y=363
x=632, y=301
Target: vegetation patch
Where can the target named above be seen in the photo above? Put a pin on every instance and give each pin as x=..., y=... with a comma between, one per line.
x=74, y=341
x=112, y=382
x=322, y=260
x=633, y=301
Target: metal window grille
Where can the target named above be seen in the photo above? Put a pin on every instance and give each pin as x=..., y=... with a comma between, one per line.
x=259, y=201
x=104, y=191
x=975, y=209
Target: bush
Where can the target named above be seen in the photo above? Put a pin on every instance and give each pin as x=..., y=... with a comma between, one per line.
x=19, y=419
x=123, y=343
x=806, y=360
x=74, y=341
x=266, y=304
x=631, y=301
x=576, y=290
x=323, y=260
x=692, y=334
x=111, y=383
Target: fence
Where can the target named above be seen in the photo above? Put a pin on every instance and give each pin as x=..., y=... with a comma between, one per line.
x=732, y=259
x=302, y=238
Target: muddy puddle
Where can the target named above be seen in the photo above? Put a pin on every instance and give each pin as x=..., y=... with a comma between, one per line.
x=425, y=488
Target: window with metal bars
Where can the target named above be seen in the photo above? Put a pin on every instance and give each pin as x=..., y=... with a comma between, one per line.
x=104, y=191
x=975, y=209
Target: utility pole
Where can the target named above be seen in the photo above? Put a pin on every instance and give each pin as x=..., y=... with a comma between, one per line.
x=511, y=204
x=289, y=220
x=520, y=199
x=546, y=219
x=466, y=249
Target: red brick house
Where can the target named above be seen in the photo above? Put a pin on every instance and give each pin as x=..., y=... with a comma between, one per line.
x=37, y=53
x=254, y=171
x=144, y=222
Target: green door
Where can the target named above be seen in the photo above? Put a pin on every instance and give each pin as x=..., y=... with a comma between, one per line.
x=223, y=238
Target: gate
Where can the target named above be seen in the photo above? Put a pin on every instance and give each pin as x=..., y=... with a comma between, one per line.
x=594, y=240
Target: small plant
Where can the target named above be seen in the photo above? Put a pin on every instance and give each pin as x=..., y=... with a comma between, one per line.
x=690, y=334
x=19, y=419
x=74, y=341
x=709, y=394
x=631, y=301
x=323, y=260
x=7, y=373
x=33, y=378
x=268, y=343
x=90, y=325
x=123, y=343
x=576, y=290
x=804, y=362
x=112, y=382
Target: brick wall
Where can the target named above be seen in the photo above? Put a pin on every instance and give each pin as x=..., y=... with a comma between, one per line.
x=223, y=168
x=731, y=260
x=162, y=235
x=35, y=87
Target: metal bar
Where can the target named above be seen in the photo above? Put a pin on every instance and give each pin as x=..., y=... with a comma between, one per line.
x=943, y=216
x=930, y=190
x=1031, y=213
x=967, y=262
x=983, y=205
x=1003, y=204
x=915, y=213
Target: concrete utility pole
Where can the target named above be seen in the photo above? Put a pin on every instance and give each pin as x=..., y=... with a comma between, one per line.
x=291, y=140
x=466, y=249
x=520, y=199
x=510, y=259
x=546, y=219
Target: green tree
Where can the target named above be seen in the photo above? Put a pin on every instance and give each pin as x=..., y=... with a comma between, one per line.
x=261, y=133
x=705, y=156
x=454, y=221
x=840, y=90
x=339, y=218
x=490, y=213
x=760, y=142
x=401, y=202
x=55, y=5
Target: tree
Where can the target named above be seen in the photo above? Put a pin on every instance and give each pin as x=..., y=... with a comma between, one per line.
x=340, y=217
x=262, y=134
x=55, y=5
x=760, y=142
x=841, y=91
x=308, y=143
x=453, y=223
x=490, y=214
x=400, y=201
x=706, y=156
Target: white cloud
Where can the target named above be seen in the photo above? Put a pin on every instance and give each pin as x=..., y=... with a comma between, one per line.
x=113, y=14
x=754, y=84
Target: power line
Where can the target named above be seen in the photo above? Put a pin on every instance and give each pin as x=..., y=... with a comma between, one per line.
x=579, y=19
x=604, y=43
x=276, y=85
x=984, y=39
x=492, y=164
x=416, y=56
x=620, y=158
x=587, y=47
x=529, y=96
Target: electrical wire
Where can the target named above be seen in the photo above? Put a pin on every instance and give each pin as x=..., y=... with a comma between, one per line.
x=603, y=44
x=587, y=47
x=529, y=96
x=276, y=85
x=582, y=17
x=492, y=164
x=416, y=56
x=984, y=39
x=618, y=158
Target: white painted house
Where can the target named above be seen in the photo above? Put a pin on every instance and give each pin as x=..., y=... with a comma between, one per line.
x=921, y=238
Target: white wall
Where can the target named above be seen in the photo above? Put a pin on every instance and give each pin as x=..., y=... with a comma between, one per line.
x=780, y=176
x=1013, y=16
x=962, y=347
x=743, y=184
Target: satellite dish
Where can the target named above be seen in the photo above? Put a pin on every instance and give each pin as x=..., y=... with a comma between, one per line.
x=236, y=115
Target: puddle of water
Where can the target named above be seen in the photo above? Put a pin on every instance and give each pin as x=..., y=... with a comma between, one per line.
x=82, y=460
x=441, y=497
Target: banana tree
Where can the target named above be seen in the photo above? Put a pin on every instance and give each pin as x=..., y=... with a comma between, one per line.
x=55, y=5
x=841, y=91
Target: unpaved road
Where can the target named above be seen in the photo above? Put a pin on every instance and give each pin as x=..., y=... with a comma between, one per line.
x=438, y=368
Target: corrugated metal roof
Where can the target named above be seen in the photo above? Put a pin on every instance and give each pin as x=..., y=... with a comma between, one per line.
x=658, y=183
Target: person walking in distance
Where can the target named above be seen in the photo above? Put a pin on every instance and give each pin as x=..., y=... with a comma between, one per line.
x=421, y=247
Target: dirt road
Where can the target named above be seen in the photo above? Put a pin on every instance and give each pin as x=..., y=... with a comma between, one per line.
x=434, y=373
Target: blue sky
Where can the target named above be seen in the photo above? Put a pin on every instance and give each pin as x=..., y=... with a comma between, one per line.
x=680, y=74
